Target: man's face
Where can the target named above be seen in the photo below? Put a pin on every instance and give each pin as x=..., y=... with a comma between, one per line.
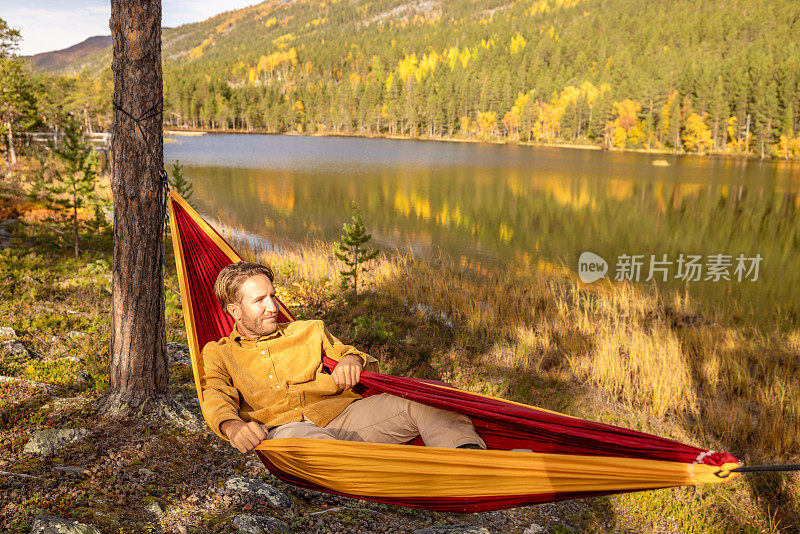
x=257, y=314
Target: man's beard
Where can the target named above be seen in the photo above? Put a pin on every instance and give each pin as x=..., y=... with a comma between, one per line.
x=257, y=327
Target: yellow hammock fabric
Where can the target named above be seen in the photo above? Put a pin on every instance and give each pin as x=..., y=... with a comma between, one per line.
x=573, y=458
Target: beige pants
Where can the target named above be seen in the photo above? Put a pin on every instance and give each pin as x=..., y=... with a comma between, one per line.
x=386, y=418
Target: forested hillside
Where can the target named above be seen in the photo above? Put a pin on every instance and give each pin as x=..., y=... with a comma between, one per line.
x=717, y=75
x=70, y=60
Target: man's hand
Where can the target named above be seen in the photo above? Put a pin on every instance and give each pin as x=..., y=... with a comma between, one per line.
x=244, y=436
x=347, y=372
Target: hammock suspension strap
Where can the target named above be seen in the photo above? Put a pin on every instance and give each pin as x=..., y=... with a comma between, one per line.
x=758, y=469
x=155, y=111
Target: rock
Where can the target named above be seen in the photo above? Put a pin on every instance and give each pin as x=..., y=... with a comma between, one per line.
x=453, y=529
x=50, y=524
x=4, y=233
x=179, y=353
x=181, y=529
x=178, y=415
x=259, y=524
x=46, y=442
x=7, y=331
x=534, y=528
x=146, y=472
x=256, y=487
x=152, y=506
x=84, y=379
x=71, y=469
x=15, y=348
x=8, y=223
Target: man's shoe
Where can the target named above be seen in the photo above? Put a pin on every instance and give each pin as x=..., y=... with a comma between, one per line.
x=470, y=446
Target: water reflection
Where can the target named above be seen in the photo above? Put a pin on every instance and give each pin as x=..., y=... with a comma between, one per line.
x=529, y=208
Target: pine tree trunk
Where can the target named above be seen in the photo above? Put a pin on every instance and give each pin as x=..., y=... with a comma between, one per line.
x=716, y=126
x=5, y=150
x=87, y=119
x=139, y=366
x=747, y=136
x=11, y=152
x=75, y=220
x=355, y=271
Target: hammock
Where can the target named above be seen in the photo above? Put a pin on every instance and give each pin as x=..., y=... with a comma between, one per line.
x=571, y=457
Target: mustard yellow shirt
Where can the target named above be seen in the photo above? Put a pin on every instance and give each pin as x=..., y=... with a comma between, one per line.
x=277, y=378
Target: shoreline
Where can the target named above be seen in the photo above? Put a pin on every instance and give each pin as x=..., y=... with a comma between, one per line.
x=192, y=132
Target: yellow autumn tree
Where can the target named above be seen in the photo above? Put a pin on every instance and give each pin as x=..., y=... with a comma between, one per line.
x=548, y=121
x=794, y=147
x=407, y=67
x=467, y=126
x=511, y=120
x=487, y=124
x=511, y=123
x=626, y=128
x=696, y=136
x=787, y=147
x=781, y=148
x=451, y=56
x=590, y=93
x=427, y=65
x=732, y=145
x=517, y=43
x=268, y=63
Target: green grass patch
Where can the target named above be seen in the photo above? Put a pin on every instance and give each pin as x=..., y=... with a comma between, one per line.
x=59, y=372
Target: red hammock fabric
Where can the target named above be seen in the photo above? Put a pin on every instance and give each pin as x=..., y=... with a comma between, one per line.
x=502, y=425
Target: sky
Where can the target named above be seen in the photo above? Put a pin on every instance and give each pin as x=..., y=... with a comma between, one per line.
x=48, y=25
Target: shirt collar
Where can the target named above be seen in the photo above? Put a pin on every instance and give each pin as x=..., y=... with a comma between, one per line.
x=240, y=339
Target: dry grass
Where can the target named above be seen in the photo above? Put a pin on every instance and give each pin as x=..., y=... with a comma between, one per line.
x=620, y=353
x=652, y=353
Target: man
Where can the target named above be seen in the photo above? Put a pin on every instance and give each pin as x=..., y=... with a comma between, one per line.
x=266, y=381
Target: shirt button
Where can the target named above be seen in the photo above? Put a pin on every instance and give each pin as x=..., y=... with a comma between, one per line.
x=270, y=376
x=263, y=352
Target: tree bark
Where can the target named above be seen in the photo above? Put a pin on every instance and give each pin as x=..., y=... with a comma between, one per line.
x=138, y=366
x=75, y=219
x=11, y=152
x=87, y=119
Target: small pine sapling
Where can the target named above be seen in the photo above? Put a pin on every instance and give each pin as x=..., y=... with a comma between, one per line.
x=353, y=253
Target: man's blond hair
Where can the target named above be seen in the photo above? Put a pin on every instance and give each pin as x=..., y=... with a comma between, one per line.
x=230, y=279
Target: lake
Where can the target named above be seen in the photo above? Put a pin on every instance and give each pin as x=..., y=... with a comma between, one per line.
x=724, y=230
